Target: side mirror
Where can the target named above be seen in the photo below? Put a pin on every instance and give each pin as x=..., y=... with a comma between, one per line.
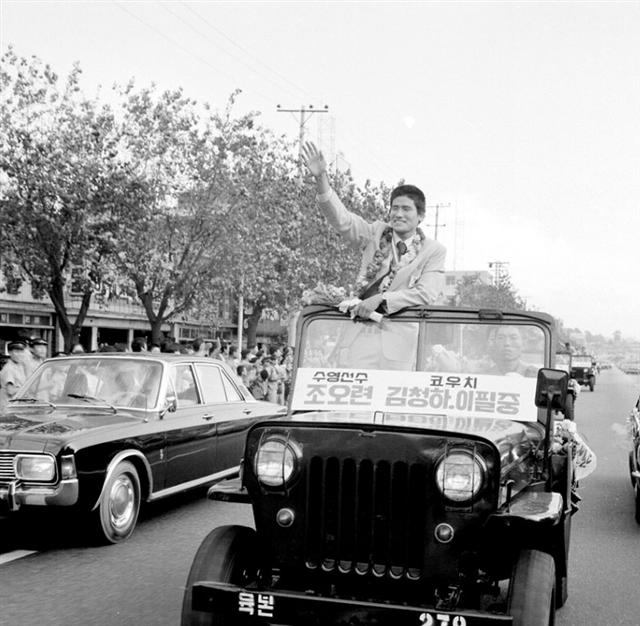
x=551, y=389
x=170, y=405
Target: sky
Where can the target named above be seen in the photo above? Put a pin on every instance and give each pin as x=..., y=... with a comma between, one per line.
x=520, y=119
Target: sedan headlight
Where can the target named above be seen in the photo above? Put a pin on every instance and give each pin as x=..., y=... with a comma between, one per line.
x=460, y=474
x=37, y=467
x=276, y=461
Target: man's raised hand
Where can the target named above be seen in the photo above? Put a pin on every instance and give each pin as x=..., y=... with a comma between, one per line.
x=314, y=159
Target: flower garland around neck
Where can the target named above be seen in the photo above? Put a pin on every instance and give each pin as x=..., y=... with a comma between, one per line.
x=385, y=248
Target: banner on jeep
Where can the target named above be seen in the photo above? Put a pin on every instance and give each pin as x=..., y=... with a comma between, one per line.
x=443, y=393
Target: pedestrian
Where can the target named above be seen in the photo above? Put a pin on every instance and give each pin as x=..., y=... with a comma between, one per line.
x=139, y=344
x=15, y=371
x=39, y=349
x=259, y=387
x=200, y=347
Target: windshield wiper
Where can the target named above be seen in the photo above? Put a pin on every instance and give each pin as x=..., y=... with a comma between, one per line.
x=80, y=396
x=34, y=401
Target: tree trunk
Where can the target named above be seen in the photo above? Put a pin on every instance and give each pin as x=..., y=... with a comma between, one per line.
x=70, y=330
x=156, y=332
x=252, y=324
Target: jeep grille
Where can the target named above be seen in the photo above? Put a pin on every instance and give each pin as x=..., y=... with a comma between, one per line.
x=366, y=517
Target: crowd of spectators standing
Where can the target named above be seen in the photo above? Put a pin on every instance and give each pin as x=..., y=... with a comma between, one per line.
x=264, y=370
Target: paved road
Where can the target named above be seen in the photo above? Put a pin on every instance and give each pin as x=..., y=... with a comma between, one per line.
x=141, y=582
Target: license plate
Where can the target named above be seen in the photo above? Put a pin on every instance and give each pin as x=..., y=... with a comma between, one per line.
x=256, y=604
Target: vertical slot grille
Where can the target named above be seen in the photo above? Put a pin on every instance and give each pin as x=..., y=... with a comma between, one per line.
x=6, y=466
x=365, y=517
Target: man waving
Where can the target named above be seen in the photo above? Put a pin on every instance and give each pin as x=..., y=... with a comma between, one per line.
x=400, y=266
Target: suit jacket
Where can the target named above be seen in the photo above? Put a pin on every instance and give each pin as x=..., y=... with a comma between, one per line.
x=418, y=283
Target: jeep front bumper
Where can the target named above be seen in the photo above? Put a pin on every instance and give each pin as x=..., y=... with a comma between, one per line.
x=248, y=606
x=17, y=493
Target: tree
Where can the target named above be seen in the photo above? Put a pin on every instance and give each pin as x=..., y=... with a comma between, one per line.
x=472, y=291
x=169, y=243
x=61, y=183
x=279, y=241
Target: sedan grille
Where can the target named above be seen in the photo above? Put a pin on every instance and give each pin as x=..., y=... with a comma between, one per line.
x=366, y=517
x=7, y=472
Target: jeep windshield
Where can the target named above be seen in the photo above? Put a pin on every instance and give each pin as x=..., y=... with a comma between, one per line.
x=461, y=367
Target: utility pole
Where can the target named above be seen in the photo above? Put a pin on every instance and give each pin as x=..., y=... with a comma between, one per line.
x=437, y=224
x=499, y=270
x=305, y=115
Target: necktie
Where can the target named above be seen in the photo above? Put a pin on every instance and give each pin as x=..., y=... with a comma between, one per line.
x=402, y=248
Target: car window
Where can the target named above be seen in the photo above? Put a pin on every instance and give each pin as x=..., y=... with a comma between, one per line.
x=211, y=383
x=232, y=392
x=184, y=384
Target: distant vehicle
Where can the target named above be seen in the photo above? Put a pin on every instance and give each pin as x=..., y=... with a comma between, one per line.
x=583, y=370
x=634, y=455
x=630, y=368
x=100, y=434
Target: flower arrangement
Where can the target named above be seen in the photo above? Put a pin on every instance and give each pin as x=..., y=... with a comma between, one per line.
x=324, y=294
x=566, y=437
x=385, y=249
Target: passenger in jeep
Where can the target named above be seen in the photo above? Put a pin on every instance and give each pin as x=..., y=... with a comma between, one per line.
x=507, y=353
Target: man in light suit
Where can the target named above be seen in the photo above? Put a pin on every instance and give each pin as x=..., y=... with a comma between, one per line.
x=400, y=266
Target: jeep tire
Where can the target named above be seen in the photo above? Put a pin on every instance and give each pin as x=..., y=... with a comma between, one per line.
x=227, y=555
x=592, y=383
x=532, y=590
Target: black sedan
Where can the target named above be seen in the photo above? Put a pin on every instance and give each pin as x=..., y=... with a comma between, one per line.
x=634, y=455
x=102, y=433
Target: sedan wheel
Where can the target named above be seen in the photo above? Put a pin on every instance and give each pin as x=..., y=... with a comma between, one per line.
x=119, y=505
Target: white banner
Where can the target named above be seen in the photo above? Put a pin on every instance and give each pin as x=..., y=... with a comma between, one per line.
x=443, y=393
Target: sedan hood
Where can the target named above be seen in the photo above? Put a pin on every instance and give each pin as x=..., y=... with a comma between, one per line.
x=33, y=429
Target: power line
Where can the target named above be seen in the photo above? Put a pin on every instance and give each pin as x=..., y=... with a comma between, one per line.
x=305, y=116
x=185, y=50
x=243, y=49
x=208, y=39
x=437, y=224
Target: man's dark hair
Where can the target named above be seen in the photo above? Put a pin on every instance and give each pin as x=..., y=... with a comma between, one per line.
x=413, y=193
x=139, y=344
x=197, y=343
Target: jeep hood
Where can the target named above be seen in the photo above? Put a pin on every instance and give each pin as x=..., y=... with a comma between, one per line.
x=497, y=430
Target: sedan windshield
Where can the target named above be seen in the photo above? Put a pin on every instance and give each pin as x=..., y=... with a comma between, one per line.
x=132, y=383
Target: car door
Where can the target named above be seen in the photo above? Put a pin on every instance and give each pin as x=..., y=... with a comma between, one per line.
x=190, y=430
x=232, y=414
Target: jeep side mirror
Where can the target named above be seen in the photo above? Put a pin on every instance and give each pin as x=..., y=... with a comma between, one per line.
x=551, y=389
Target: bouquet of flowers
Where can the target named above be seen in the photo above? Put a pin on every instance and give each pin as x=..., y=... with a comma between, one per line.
x=324, y=294
x=334, y=296
x=567, y=437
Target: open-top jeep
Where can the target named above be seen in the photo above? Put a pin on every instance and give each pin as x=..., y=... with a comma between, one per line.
x=415, y=480
x=583, y=370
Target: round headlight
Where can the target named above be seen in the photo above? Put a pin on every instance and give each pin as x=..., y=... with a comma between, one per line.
x=460, y=474
x=35, y=467
x=275, y=462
